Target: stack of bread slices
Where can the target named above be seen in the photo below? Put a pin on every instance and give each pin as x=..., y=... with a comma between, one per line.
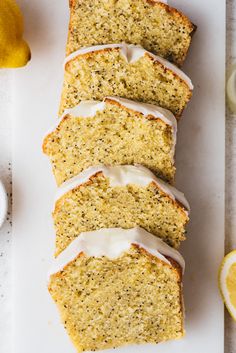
x=117, y=274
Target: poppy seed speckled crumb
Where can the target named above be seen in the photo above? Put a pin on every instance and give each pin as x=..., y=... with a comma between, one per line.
x=105, y=303
x=106, y=72
x=116, y=135
x=157, y=27
x=96, y=204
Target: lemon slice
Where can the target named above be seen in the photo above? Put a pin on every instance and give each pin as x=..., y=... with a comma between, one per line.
x=231, y=89
x=227, y=282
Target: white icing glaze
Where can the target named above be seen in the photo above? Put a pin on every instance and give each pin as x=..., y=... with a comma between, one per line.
x=85, y=109
x=132, y=53
x=112, y=243
x=121, y=176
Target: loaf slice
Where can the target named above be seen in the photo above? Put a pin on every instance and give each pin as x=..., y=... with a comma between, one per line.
x=115, y=287
x=115, y=131
x=125, y=71
x=153, y=24
x=120, y=196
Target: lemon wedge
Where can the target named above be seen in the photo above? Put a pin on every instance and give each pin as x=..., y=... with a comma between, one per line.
x=14, y=51
x=227, y=282
x=231, y=89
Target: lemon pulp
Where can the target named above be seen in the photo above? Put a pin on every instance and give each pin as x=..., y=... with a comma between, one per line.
x=231, y=284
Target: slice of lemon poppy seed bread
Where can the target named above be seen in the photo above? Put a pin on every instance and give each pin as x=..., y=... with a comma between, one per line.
x=115, y=287
x=120, y=196
x=115, y=131
x=125, y=71
x=153, y=24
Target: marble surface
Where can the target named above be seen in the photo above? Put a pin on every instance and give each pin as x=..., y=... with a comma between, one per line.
x=6, y=132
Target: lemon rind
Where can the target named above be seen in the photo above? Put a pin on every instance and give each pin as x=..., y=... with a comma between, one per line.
x=228, y=261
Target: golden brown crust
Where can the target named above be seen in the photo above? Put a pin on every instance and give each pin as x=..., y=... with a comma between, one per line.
x=72, y=4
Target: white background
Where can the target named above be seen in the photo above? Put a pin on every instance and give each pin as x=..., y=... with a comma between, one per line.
x=41, y=42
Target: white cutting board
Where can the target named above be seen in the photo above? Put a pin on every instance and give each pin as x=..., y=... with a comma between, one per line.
x=200, y=174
